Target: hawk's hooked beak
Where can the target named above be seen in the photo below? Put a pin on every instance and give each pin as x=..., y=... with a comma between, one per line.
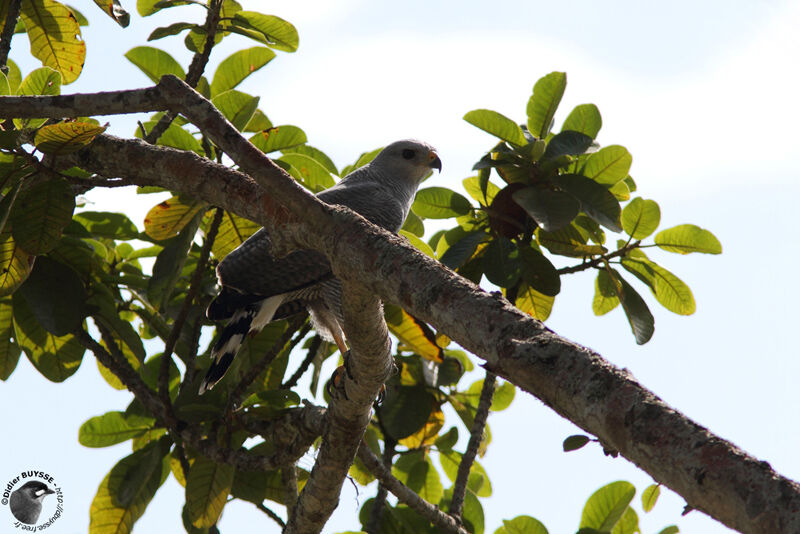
x=435, y=162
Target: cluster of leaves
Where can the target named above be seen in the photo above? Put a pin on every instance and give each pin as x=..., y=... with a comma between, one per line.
x=561, y=193
x=63, y=274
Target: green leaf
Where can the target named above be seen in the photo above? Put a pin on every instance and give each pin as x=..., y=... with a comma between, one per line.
x=114, y=10
x=672, y=529
x=418, y=473
x=112, y=428
x=568, y=242
x=447, y=440
x=497, y=124
x=316, y=154
x=595, y=199
x=552, y=210
x=418, y=243
x=14, y=76
x=278, y=138
x=650, y=497
x=414, y=225
x=235, y=68
x=641, y=217
x=169, y=263
x=207, y=488
x=154, y=62
x=56, y=296
x=607, y=505
x=478, y=481
x=687, y=238
x=166, y=219
x=472, y=514
x=315, y=176
x=236, y=106
x=608, y=165
x=668, y=289
x=440, y=203
x=636, y=310
x=45, y=82
x=15, y=263
x=174, y=136
x=538, y=272
x=66, y=137
x=107, y=224
x=483, y=193
x=628, y=523
x=534, y=303
x=573, y=443
x=278, y=33
x=585, y=119
x=405, y=410
x=172, y=29
x=5, y=88
x=233, y=231
x=108, y=514
x=9, y=349
x=457, y=245
x=567, y=143
x=501, y=262
x=57, y=358
x=55, y=37
x=522, y=524
x=547, y=93
x=605, y=294
x=40, y=214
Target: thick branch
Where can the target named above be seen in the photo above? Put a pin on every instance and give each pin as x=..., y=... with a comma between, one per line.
x=81, y=105
x=406, y=495
x=12, y=15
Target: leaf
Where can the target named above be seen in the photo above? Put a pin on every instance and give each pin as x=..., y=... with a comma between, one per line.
x=573, y=443
x=522, y=524
x=503, y=396
x=112, y=428
x=207, y=488
x=567, y=143
x=547, y=93
x=595, y=199
x=169, y=263
x=235, y=68
x=552, y=210
x=14, y=76
x=534, y=303
x=316, y=154
x=501, y=262
x=278, y=138
x=497, y=124
x=45, y=82
x=668, y=289
x=278, y=33
x=641, y=217
x=457, y=245
x=440, y=203
x=405, y=410
x=15, y=263
x=637, y=312
x=426, y=435
x=114, y=10
x=687, y=238
x=418, y=243
x=607, y=505
x=605, y=294
x=174, y=136
x=585, y=119
x=315, y=176
x=414, y=334
x=233, y=231
x=447, y=440
x=478, y=481
x=483, y=193
x=9, y=349
x=236, y=106
x=154, y=62
x=608, y=165
x=672, y=529
x=172, y=29
x=568, y=242
x=40, y=214
x=107, y=514
x=57, y=358
x=56, y=296
x=66, y=137
x=166, y=219
x=107, y=224
x=650, y=497
x=55, y=37
x=628, y=523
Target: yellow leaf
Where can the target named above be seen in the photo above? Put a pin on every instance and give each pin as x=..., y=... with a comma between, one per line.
x=55, y=37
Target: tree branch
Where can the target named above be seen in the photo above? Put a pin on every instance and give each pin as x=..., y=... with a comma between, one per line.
x=272, y=515
x=83, y=104
x=316, y=342
x=374, y=523
x=476, y=435
x=289, y=481
x=406, y=495
x=12, y=15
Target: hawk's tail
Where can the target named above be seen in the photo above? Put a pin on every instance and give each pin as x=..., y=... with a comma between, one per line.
x=249, y=319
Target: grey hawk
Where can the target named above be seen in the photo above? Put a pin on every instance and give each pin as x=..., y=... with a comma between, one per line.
x=258, y=288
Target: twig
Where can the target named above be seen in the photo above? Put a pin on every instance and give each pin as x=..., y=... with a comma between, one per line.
x=289, y=481
x=8, y=32
x=235, y=397
x=316, y=342
x=272, y=515
x=181, y=454
x=460, y=486
x=597, y=261
x=425, y=509
x=374, y=523
x=177, y=326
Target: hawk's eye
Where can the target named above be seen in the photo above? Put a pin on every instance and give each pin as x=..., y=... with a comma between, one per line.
x=408, y=153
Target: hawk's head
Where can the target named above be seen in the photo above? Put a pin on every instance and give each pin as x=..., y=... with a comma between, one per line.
x=410, y=158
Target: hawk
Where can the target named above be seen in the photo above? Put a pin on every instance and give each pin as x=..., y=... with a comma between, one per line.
x=258, y=288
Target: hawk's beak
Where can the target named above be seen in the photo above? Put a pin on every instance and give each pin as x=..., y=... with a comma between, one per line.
x=435, y=162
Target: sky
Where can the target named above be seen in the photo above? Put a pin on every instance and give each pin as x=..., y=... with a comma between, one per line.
x=703, y=94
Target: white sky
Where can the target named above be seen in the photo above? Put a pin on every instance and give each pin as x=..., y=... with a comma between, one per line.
x=702, y=94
